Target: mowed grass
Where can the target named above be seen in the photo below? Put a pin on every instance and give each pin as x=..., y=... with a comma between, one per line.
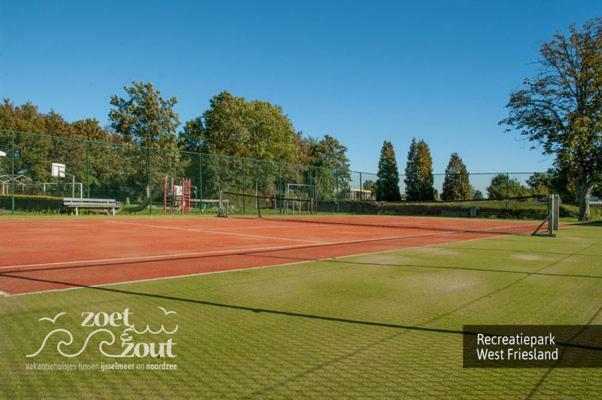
x=358, y=327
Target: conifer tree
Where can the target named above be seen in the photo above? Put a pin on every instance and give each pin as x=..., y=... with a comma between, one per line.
x=387, y=184
x=419, y=172
x=455, y=185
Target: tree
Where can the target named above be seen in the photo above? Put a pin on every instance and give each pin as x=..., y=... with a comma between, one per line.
x=329, y=165
x=35, y=153
x=237, y=127
x=387, y=184
x=419, y=172
x=191, y=137
x=144, y=118
x=233, y=126
x=455, y=184
x=502, y=186
x=368, y=185
x=561, y=108
x=477, y=195
x=539, y=183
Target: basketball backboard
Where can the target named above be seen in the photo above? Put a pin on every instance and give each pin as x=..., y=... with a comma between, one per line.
x=58, y=170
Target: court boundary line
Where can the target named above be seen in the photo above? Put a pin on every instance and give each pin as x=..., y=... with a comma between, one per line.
x=158, y=258
x=209, y=230
x=176, y=256
x=244, y=268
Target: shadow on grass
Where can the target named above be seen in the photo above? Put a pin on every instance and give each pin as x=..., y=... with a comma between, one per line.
x=592, y=224
x=257, y=310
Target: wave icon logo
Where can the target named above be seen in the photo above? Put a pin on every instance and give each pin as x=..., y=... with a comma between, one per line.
x=130, y=342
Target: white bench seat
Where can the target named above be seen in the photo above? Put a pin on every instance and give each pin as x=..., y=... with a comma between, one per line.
x=77, y=203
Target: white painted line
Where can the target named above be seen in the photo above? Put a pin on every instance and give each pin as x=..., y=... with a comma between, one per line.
x=3, y=294
x=159, y=257
x=244, y=268
x=176, y=256
x=218, y=232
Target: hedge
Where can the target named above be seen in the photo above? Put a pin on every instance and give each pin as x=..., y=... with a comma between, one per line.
x=486, y=209
x=32, y=203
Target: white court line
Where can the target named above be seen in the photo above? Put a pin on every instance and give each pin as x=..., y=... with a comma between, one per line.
x=176, y=256
x=218, y=232
x=3, y=294
x=243, y=268
x=158, y=257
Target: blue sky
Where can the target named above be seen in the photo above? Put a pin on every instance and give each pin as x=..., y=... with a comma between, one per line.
x=362, y=71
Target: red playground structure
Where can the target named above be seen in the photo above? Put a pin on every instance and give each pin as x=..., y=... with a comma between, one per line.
x=177, y=197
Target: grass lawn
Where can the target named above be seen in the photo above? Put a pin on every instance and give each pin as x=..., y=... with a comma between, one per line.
x=363, y=326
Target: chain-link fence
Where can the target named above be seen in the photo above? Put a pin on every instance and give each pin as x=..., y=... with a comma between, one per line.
x=137, y=177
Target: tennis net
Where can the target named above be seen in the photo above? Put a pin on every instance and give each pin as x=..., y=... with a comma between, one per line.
x=524, y=215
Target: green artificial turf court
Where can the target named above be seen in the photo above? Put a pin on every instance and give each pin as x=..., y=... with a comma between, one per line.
x=370, y=326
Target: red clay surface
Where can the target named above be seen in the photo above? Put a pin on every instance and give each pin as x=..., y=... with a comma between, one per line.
x=47, y=254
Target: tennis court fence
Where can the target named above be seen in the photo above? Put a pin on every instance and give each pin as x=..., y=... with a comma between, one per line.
x=149, y=179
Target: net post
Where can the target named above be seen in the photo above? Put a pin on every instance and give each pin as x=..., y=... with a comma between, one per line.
x=220, y=208
x=257, y=202
x=556, y=212
x=551, y=201
x=256, y=195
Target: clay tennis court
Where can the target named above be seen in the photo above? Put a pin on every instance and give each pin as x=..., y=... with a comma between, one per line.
x=56, y=253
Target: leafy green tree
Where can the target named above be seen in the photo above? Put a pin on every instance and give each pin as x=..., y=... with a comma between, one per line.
x=145, y=118
x=34, y=153
x=502, y=186
x=329, y=166
x=539, y=183
x=237, y=127
x=191, y=137
x=190, y=141
x=478, y=195
x=233, y=126
x=561, y=108
x=456, y=185
x=419, y=172
x=102, y=173
x=368, y=185
x=387, y=184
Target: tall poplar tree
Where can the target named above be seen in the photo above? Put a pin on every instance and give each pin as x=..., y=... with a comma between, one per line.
x=419, y=172
x=387, y=184
x=455, y=185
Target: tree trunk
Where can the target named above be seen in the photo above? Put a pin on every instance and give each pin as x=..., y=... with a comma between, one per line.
x=585, y=191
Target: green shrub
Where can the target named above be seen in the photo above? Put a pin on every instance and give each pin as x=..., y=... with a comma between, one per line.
x=486, y=209
x=32, y=203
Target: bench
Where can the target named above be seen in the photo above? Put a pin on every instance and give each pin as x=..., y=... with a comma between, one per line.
x=211, y=204
x=77, y=203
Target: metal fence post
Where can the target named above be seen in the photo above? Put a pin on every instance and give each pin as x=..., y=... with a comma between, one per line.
x=200, y=193
x=361, y=188
x=12, y=171
x=149, y=171
x=87, y=168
